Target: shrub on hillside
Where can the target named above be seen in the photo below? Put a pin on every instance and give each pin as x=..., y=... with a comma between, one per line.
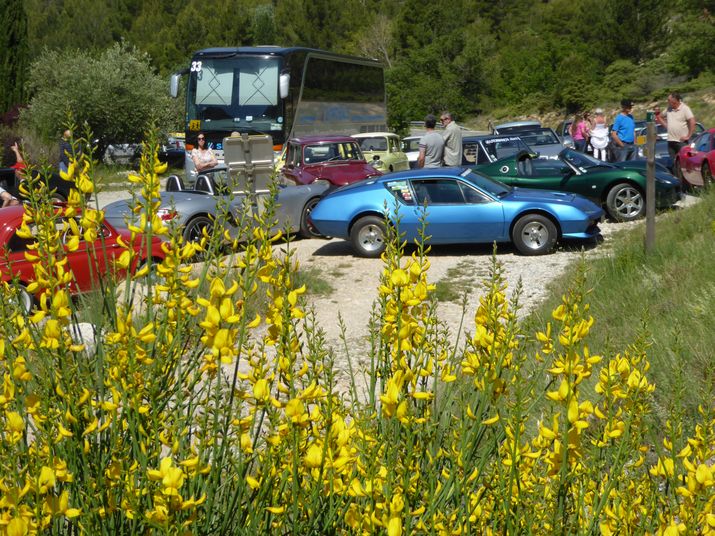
x=116, y=93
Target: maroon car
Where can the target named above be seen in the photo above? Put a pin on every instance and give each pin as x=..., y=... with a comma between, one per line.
x=695, y=162
x=90, y=262
x=334, y=159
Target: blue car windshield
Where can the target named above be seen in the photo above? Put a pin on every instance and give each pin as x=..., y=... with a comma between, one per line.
x=497, y=189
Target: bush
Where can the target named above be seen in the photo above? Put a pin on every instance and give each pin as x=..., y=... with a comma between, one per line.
x=185, y=414
x=115, y=93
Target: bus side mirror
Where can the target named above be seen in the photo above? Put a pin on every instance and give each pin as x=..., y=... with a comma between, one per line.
x=284, y=84
x=174, y=85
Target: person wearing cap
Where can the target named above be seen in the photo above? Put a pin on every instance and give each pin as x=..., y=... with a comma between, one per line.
x=680, y=122
x=623, y=132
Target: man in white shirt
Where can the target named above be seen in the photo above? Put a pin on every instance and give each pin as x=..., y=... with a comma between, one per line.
x=680, y=122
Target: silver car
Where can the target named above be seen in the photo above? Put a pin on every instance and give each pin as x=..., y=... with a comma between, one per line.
x=218, y=198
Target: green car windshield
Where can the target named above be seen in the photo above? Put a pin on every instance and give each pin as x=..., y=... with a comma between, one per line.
x=580, y=160
x=495, y=188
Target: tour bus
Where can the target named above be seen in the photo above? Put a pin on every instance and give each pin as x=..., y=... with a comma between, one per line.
x=283, y=92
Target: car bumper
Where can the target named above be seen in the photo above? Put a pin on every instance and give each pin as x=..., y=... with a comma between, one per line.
x=666, y=198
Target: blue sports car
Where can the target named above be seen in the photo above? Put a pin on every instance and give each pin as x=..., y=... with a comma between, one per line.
x=462, y=207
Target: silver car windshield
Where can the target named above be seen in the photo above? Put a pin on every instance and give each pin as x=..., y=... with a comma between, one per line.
x=542, y=136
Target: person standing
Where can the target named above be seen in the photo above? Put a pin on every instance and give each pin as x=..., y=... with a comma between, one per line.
x=452, y=135
x=623, y=132
x=581, y=131
x=202, y=155
x=65, y=150
x=7, y=198
x=431, y=146
x=599, y=135
x=680, y=122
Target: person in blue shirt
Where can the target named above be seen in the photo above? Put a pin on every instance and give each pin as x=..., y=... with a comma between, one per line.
x=623, y=133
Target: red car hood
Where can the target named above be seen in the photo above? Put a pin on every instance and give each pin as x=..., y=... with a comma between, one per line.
x=341, y=173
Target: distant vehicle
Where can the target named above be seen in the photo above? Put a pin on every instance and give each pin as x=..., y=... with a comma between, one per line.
x=662, y=155
x=515, y=127
x=695, y=162
x=171, y=151
x=462, y=207
x=200, y=206
x=620, y=187
x=563, y=131
x=486, y=149
x=283, y=92
x=335, y=160
x=660, y=131
x=411, y=148
x=382, y=150
x=543, y=141
x=59, y=188
x=90, y=262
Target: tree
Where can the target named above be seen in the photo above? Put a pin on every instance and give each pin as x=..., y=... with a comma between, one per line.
x=13, y=53
x=115, y=92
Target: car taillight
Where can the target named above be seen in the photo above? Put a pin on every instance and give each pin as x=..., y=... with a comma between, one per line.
x=166, y=214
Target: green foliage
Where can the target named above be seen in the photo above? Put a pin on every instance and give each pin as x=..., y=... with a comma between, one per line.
x=470, y=56
x=664, y=289
x=13, y=53
x=115, y=93
x=694, y=40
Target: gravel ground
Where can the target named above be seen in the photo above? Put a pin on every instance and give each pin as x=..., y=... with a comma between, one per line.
x=355, y=281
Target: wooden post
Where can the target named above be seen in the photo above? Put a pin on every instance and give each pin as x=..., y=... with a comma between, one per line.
x=650, y=186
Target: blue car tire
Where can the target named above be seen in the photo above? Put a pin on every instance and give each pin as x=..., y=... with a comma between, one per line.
x=534, y=234
x=368, y=236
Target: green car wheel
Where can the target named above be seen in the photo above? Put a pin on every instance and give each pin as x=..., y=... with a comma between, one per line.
x=625, y=202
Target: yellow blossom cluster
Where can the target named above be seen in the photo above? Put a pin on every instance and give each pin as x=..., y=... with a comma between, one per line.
x=207, y=401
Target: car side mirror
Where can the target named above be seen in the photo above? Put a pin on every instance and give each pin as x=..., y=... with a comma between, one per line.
x=284, y=84
x=174, y=85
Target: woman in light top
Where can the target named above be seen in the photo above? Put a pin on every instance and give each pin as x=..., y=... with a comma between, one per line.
x=202, y=156
x=599, y=135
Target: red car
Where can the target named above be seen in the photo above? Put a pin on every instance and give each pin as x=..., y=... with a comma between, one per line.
x=89, y=263
x=335, y=159
x=695, y=162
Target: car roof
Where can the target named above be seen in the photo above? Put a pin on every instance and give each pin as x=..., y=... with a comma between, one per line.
x=518, y=124
x=374, y=135
x=508, y=136
x=321, y=139
x=424, y=173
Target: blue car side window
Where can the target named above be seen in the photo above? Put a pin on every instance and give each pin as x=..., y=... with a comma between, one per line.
x=401, y=190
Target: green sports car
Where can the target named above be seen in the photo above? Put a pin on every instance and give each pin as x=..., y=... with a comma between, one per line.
x=619, y=187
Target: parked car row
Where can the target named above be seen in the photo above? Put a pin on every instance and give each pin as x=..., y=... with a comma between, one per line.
x=503, y=192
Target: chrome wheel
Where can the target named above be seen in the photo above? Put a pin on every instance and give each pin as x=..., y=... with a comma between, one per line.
x=368, y=236
x=307, y=229
x=194, y=229
x=534, y=234
x=625, y=202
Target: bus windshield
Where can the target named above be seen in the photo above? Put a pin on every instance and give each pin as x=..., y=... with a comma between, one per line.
x=235, y=94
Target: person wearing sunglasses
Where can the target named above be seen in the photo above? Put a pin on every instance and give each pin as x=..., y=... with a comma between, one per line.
x=202, y=155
